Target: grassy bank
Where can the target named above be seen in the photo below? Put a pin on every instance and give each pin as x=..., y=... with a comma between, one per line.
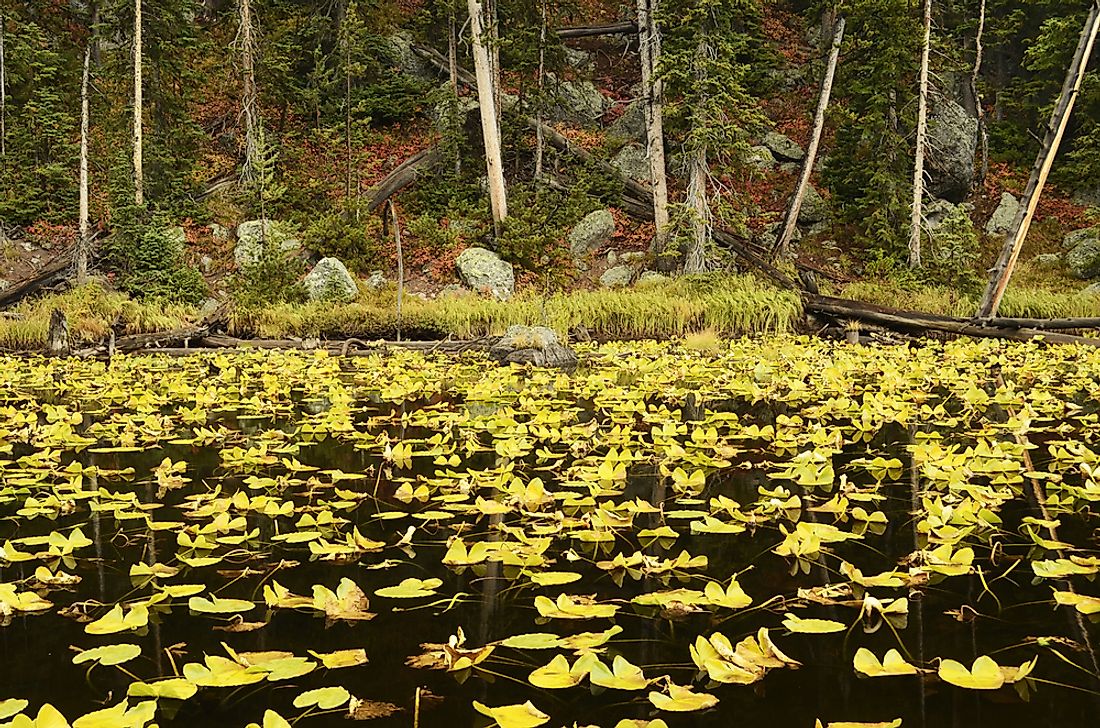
x=727, y=305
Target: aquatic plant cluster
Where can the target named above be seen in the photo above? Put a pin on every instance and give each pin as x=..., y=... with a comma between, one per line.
x=777, y=532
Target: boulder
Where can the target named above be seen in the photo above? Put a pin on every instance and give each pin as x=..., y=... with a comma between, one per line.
x=651, y=277
x=1078, y=237
x=376, y=280
x=594, y=231
x=483, y=270
x=535, y=345
x=761, y=157
x=252, y=234
x=1084, y=260
x=1092, y=289
x=814, y=208
x=632, y=161
x=576, y=58
x=330, y=281
x=400, y=46
x=631, y=125
x=952, y=144
x=1048, y=260
x=1000, y=222
x=618, y=277
x=220, y=233
x=939, y=211
x=783, y=147
x=577, y=101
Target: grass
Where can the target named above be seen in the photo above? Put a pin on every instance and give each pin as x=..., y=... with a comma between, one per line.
x=727, y=305
x=91, y=311
x=1019, y=301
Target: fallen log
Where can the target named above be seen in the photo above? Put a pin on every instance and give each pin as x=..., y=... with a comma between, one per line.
x=922, y=323
x=1045, y=324
x=626, y=27
x=404, y=175
x=58, y=270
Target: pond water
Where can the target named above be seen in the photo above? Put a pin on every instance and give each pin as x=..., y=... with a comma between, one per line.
x=703, y=539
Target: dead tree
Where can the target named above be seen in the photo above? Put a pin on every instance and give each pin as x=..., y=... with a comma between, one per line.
x=139, y=173
x=80, y=257
x=1001, y=272
x=649, y=49
x=916, y=214
x=490, y=124
x=782, y=246
x=57, y=338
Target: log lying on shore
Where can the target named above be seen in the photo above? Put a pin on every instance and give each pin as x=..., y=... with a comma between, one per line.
x=914, y=322
x=404, y=175
x=626, y=27
x=58, y=270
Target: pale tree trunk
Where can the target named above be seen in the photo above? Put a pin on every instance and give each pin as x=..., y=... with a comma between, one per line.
x=246, y=40
x=491, y=30
x=452, y=68
x=139, y=172
x=695, y=255
x=1001, y=272
x=540, y=138
x=649, y=47
x=3, y=93
x=782, y=246
x=982, y=166
x=916, y=216
x=84, y=244
x=490, y=127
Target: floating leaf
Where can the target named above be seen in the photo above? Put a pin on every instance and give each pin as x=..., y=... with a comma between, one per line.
x=214, y=605
x=323, y=698
x=514, y=716
x=892, y=664
x=411, y=588
x=798, y=625
x=682, y=700
x=341, y=658
x=985, y=674
x=108, y=655
x=115, y=620
x=174, y=688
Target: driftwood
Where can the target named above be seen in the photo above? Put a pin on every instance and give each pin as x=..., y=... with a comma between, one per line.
x=57, y=339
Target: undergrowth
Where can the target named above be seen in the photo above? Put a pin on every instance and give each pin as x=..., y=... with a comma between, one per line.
x=1018, y=302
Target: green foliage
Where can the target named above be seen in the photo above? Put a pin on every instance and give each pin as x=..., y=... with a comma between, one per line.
x=346, y=233
x=954, y=252
x=152, y=265
x=275, y=277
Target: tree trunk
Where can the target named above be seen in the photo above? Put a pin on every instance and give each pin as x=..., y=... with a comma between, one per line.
x=1001, y=273
x=452, y=69
x=695, y=255
x=400, y=265
x=3, y=93
x=916, y=216
x=540, y=138
x=249, y=111
x=80, y=259
x=490, y=126
x=982, y=165
x=347, y=118
x=57, y=338
x=782, y=246
x=649, y=48
x=139, y=172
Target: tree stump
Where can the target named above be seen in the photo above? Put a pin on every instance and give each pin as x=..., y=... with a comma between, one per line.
x=57, y=339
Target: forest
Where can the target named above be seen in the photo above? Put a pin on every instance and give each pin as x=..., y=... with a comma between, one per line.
x=510, y=363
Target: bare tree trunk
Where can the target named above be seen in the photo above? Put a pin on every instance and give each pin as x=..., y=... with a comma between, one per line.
x=139, y=172
x=492, y=40
x=57, y=337
x=916, y=216
x=80, y=259
x=490, y=125
x=698, y=172
x=400, y=265
x=250, y=116
x=982, y=166
x=452, y=68
x=3, y=93
x=649, y=47
x=540, y=138
x=347, y=118
x=1001, y=273
x=782, y=246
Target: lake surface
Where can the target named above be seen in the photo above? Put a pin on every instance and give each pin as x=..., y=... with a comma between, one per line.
x=931, y=500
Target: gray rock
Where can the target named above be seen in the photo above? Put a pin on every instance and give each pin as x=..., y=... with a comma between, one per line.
x=651, y=277
x=219, y=232
x=453, y=290
x=1048, y=260
x=1084, y=261
x=535, y=345
x=612, y=257
x=632, y=256
x=252, y=234
x=209, y=307
x=330, y=281
x=483, y=270
x=376, y=280
x=783, y=147
x=631, y=125
x=814, y=208
x=206, y=264
x=632, y=161
x=410, y=64
x=790, y=168
x=577, y=59
x=617, y=277
x=591, y=233
x=1091, y=290
x=1000, y=222
x=952, y=143
x=448, y=105
x=1077, y=237
x=760, y=157
x=578, y=101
